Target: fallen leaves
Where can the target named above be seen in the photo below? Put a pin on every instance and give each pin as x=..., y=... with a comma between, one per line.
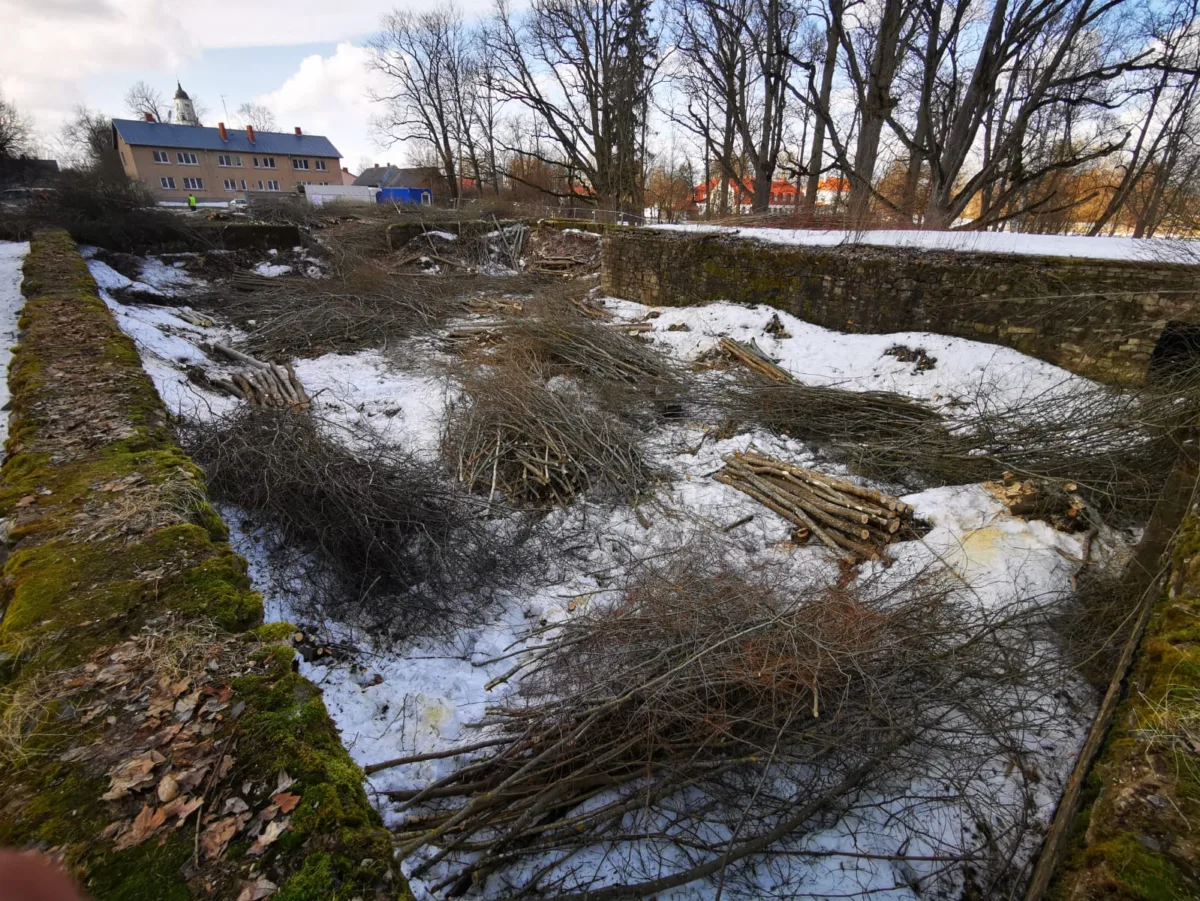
x=144, y=825
x=286, y=801
x=274, y=829
x=260, y=888
x=217, y=836
x=131, y=775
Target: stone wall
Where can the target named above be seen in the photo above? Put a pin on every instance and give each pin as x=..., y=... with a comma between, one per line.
x=1099, y=318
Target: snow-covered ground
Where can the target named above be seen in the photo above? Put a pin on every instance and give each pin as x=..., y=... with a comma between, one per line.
x=421, y=697
x=12, y=257
x=1160, y=250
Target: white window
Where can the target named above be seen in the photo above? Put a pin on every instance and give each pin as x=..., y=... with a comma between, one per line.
x=231, y=184
x=243, y=184
x=227, y=161
x=272, y=186
x=426, y=200
x=193, y=184
x=319, y=165
x=299, y=164
x=187, y=158
x=266, y=162
x=260, y=185
x=161, y=156
x=167, y=182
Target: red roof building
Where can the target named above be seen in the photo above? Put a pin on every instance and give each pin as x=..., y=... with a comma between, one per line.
x=784, y=195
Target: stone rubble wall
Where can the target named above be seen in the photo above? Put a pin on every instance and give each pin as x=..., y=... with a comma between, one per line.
x=1097, y=318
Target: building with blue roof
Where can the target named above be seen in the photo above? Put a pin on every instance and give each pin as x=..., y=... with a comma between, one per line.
x=177, y=160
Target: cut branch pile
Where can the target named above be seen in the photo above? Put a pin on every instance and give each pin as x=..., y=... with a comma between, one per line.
x=705, y=716
x=514, y=435
x=262, y=384
x=856, y=522
x=376, y=536
x=876, y=433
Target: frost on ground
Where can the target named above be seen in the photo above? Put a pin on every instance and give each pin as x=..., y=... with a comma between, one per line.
x=1159, y=250
x=12, y=257
x=424, y=696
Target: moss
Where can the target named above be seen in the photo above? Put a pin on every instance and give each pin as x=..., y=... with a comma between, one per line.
x=1137, y=872
x=272, y=632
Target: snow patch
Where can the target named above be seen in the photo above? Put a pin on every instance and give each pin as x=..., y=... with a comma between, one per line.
x=1160, y=250
x=12, y=257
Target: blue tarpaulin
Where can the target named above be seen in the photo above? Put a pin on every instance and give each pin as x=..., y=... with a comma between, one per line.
x=422, y=196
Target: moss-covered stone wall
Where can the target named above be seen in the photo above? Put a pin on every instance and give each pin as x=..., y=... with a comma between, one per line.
x=1098, y=318
x=131, y=642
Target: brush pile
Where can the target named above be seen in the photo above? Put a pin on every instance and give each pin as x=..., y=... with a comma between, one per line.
x=375, y=535
x=842, y=422
x=519, y=434
x=856, y=522
x=702, y=704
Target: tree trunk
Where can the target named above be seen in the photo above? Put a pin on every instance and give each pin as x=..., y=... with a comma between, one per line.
x=816, y=158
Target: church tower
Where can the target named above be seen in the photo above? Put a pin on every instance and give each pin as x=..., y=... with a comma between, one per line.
x=185, y=113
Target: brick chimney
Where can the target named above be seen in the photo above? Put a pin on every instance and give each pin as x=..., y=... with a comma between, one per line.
x=298, y=131
x=149, y=117
x=222, y=132
x=250, y=133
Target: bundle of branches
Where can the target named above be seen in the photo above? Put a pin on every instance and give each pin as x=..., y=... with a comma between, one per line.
x=825, y=414
x=558, y=336
x=539, y=441
x=710, y=716
x=302, y=317
x=856, y=522
x=376, y=534
x=1116, y=444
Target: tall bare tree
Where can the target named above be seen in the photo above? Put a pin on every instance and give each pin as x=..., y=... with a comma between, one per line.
x=420, y=55
x=16, y=131
x=144, y=101
x=584, y=70
x=257, y=115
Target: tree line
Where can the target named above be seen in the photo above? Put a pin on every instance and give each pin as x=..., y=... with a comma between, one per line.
x=1035, y=114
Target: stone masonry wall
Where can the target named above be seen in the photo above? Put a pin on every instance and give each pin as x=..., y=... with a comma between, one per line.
x=1095, y=317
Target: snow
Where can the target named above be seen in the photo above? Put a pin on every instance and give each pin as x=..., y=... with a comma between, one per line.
x=272, y=270
x=1162, y=250
x=423, y=696
x=965, y=369
x=12, y=257
x=156, y=277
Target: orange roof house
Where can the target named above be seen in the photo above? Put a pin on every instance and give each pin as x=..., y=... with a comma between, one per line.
x=784, y=194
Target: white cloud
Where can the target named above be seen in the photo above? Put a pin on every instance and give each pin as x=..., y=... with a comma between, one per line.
x=330, y=95
x=52, y=46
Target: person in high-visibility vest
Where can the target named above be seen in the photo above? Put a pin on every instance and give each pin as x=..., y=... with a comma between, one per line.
x=192, y=202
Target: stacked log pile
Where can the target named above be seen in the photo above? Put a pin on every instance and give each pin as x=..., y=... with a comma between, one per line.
x=1057, y=503
x=751, y=356
x=856, y=522
x=262, y=384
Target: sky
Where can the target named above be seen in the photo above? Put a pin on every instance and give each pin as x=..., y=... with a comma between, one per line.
x=303, y=59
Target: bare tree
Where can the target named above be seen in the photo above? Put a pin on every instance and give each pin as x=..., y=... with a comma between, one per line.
x=584, y=70
x=16, y=131
x=144, y=101
x=87, y=138
x=420, y=54
x=739, y=53
x=1170, y=99
x=257, y=115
